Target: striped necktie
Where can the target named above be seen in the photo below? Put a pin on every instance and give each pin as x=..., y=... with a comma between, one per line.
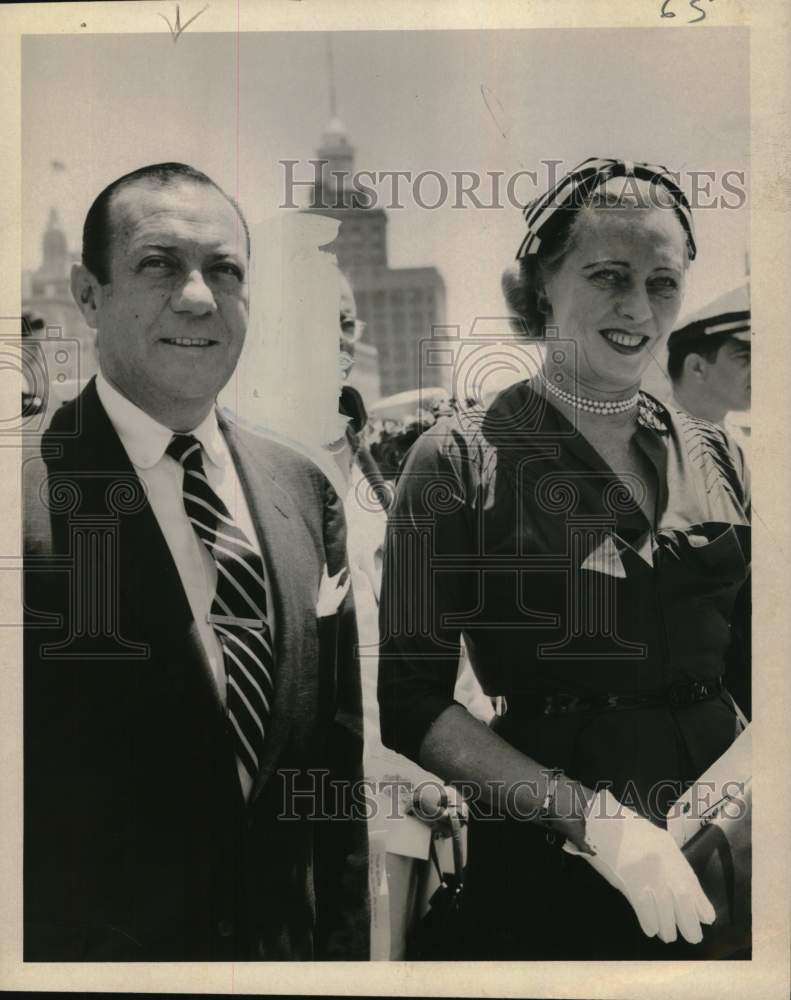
x=239, y=610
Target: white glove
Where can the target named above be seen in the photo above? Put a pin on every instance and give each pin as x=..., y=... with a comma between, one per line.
x=644, y=863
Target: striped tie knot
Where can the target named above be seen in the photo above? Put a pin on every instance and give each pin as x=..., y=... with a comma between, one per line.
x=186, y=449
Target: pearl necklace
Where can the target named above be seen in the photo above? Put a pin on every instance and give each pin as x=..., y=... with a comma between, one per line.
x=604, y=406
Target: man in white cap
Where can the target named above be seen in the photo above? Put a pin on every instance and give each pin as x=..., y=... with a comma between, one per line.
x=709, y=366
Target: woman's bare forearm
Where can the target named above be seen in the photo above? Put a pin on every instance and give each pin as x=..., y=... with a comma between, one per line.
x=467, y=753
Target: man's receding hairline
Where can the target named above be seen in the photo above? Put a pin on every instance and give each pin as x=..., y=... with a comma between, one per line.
x=161, y=183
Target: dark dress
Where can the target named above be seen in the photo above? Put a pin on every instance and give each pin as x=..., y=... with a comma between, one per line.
x=509, y=529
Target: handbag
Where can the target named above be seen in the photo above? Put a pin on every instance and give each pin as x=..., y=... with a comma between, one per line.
x=720, y=853
x=718, y=845
x=436, y=936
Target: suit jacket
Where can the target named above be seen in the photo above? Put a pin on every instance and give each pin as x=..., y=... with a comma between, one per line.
x=138, y=844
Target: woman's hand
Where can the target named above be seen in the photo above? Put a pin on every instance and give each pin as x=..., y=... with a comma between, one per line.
x=433, y=803
x=644, y=863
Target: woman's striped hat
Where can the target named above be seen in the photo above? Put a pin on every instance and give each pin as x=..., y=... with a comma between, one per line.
x=575, y=189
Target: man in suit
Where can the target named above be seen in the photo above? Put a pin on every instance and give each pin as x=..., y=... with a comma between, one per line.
x=192, y=693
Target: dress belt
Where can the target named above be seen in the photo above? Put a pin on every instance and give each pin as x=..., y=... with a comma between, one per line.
x=565, y=703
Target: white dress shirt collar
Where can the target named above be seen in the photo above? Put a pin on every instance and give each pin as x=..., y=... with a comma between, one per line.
x=145, y=439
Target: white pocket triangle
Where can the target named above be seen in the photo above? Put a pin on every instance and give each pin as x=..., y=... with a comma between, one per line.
x=605, y=559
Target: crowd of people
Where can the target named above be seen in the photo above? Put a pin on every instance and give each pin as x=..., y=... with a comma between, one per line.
x=521, y=626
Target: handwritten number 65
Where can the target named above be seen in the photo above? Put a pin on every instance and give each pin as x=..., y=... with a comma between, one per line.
x=693, y=6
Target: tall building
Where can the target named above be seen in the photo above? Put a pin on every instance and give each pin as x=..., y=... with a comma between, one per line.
x=398, y=305
x=66, y=344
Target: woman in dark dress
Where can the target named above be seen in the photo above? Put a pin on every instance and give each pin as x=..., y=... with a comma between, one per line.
x=590, y=544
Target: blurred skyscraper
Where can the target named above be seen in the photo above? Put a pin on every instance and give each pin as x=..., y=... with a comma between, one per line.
x=398, y=305
x=46, y=295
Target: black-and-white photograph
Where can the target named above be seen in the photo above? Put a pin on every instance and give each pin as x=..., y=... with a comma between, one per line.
x=385, y=456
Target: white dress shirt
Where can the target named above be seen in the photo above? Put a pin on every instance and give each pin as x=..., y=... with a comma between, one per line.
x=145, y=441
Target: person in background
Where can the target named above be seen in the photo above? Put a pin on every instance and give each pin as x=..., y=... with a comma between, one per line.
x=364, y=490
x=408, y=816
x=33, y=402
x=708, y=363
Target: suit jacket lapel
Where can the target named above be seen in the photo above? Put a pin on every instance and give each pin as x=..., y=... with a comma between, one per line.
x=150, y=589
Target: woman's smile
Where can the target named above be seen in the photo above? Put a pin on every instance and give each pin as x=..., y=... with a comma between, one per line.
x=624, y=342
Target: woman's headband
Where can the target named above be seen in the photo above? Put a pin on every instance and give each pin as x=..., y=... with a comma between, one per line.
x=574, y=190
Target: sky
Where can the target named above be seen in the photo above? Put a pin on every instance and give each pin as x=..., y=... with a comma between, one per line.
x=446, y=101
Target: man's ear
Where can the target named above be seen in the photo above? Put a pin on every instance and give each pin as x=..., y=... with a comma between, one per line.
x=696, y=367
x=87, y=292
